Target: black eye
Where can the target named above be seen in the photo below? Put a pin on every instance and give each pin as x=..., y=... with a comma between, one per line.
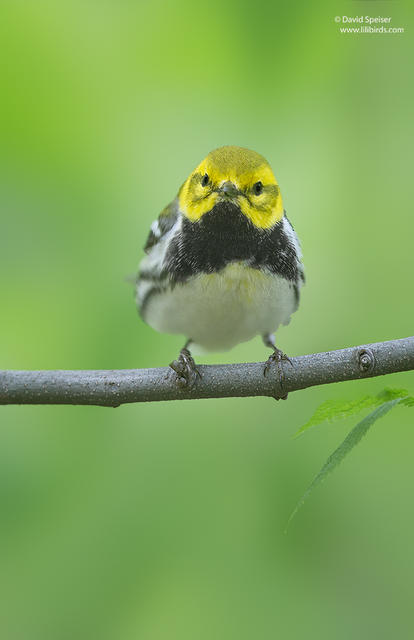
x=258, y=188
x=205, y=180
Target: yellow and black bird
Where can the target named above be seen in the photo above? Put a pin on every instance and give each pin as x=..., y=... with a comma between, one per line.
x=223, y=263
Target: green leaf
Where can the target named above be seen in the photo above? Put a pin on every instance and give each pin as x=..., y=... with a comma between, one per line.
x=352, y=439
x=332, y=410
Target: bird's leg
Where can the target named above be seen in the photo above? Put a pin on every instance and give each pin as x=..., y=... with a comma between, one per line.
x=185, y=368
x=276, y=357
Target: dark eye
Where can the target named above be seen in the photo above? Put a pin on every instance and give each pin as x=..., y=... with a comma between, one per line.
x=205, y=180
x=258, y=188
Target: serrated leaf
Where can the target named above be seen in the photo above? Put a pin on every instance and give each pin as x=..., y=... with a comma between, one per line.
x=352, y=439
x=332, y=410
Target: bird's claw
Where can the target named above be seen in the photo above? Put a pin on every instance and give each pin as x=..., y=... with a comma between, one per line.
x=185, y=369
x=276, y=358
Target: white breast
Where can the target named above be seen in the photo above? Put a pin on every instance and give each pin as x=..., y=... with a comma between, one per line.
x=219, y=310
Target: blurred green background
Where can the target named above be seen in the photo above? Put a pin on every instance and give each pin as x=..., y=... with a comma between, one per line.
x=166, y=521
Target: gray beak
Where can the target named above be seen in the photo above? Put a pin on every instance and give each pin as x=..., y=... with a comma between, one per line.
x=229, y=189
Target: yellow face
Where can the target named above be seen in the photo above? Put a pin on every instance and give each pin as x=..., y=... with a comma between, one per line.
x=237, y=175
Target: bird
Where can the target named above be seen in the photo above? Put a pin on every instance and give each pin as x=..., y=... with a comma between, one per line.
x=222, y=262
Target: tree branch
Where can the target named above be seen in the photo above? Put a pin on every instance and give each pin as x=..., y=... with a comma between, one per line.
x=112, y=388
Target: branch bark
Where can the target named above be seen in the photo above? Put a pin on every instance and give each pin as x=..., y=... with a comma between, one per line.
x=113, y=388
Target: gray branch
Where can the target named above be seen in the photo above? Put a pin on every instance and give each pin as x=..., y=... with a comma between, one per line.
x=113, y=388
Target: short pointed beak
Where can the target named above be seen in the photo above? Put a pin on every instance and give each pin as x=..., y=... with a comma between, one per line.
x=229, y=189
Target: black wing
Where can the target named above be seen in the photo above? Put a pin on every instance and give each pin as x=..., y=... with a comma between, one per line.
x=162, y=225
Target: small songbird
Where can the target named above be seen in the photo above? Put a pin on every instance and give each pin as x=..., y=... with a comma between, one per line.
x=223, y=263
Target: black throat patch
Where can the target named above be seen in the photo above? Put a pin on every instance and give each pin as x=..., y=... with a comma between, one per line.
x=225, y=235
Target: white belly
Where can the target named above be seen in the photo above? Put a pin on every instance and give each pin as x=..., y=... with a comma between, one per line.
x=219, y=310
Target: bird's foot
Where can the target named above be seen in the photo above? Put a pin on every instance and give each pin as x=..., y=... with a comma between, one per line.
x=185, y=369
x=276, y=358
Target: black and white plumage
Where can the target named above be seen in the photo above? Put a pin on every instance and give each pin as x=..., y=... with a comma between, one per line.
x=223, y=267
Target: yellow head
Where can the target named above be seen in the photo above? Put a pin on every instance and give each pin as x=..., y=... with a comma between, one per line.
x=237, y=175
